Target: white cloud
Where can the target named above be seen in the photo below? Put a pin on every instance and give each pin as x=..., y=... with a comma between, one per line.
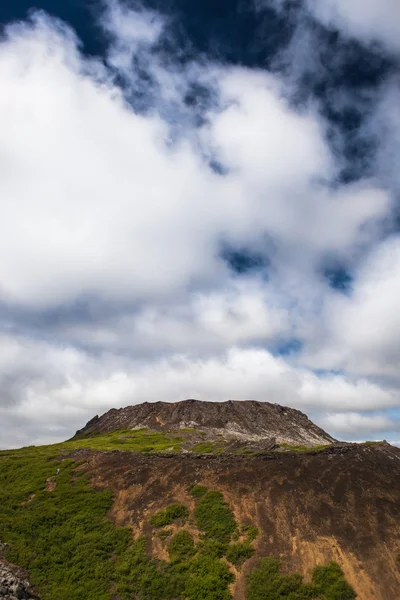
x=110, y=208
x=369, y=20
x=356, y=424
x=98, y=204
x=363, y=330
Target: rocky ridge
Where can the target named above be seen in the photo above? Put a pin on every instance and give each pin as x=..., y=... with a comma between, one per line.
x=245, y=420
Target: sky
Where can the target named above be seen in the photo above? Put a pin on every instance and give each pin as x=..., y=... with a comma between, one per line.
x=199, y=200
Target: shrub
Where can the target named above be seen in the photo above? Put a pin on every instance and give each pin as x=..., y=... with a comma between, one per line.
x=181, y=546
x=169, y=515
x=330, y=581
x=266, y=582
x=214, y=517
x=238, y=553
x=209, y=579
x=164, y=534
x=198, y=491
x=252, y=532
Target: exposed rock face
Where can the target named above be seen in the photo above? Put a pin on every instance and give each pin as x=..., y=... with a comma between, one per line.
x=249, y=420
x=341, y=503
x=14, y=583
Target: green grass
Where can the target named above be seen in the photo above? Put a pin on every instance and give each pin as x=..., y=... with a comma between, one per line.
x=172, y=513
x=208, y=448
x=290, y=448
x=62, y=537
x=141, y=440
x=266, y=582
x=73, y=551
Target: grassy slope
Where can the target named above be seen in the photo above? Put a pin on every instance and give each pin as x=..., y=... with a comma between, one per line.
x=62, y=536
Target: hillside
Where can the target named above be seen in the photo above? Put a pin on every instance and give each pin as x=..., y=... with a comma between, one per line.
x=135, y=514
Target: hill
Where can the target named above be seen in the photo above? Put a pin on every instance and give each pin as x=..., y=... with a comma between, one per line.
x=242, y=420
x=135, y=514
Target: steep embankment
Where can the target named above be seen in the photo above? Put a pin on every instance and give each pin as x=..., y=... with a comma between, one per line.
x=339, y=504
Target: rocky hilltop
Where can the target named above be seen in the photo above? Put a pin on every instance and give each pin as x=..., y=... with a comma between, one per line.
x=243, y=420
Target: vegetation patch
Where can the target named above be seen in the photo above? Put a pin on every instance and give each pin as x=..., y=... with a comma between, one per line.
x=238, y=553
x=266, y=582
x=172, y=513
x=62, y=537
x=330, y=581
x=164, y=534
x=251, y=532
x=198, y=491
x=289, y=448
x=214, y=517
x=181, y=546
x=208, y=448
x=139, y=440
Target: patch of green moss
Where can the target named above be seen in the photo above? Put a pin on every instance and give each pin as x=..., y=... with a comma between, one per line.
x=172, y=513
x=290, y=448
x=138, y=440
x=208, y=448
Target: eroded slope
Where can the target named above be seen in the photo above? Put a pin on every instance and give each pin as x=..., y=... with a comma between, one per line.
x=342, y=503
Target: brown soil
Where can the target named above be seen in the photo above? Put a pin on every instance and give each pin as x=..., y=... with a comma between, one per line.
x=51, y=484
x=339, y=504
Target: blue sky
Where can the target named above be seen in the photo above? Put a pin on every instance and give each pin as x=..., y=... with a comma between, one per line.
x=199, y=201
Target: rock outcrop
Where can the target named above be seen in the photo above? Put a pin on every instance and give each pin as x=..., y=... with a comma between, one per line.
x=245, y=419
x=14, y=582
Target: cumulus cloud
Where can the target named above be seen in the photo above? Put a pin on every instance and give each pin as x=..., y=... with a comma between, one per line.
x=369, y=20
x=356, y=425
x=363, y=328
x=113, y=285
